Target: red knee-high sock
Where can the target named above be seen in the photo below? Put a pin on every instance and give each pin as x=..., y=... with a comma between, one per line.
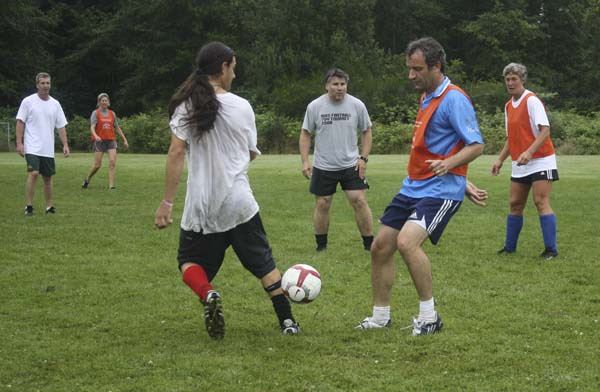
x=196, y=279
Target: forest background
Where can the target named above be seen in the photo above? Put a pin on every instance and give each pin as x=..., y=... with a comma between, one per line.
x=140, y=51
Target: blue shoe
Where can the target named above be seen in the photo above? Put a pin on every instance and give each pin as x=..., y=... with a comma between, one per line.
x=421, y=328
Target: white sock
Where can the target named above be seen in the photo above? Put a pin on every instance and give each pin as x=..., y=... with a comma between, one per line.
x=381, y=314
x=427, y=310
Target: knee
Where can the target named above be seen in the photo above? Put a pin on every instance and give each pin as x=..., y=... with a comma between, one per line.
x=541, y=203
x=517, y=207
x=34, y=175
x=381, y=251
x=97, y=165
x=404, y=245
x=323, y=204
x=112, y=164
x=359, y=203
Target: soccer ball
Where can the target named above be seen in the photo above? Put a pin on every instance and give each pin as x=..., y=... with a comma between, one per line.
x=301, y=283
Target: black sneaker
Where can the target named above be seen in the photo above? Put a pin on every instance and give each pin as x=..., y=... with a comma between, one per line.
x=110, y=188
x=421, y=328
x=213, y=315
x=505, y=251
x=549, y=254
x=85, y=184
x=290, y=327
x=51, y=210
x=321, y=247
x=28, y=210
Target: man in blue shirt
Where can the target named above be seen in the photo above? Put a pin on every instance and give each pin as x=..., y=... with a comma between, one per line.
x=446, y=138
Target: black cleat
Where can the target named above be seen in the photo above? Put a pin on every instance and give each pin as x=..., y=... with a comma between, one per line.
x=549, y=254
x=213, y=315
x=51, y=210
x=321, y=247
x=85, y=184
x=28, y=210
x=290, y=327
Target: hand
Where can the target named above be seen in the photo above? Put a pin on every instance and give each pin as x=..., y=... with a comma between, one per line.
x=361, y=166
x=97, y=138
x=475, y=195
x=524, y=158
x=496, y=168
x=162, y=217
x=20, y=149
x=307, y=170
x=438, y=167
x=66, y=151
x=126, y=144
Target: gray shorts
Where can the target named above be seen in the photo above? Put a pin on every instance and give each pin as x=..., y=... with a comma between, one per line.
x=104, y=145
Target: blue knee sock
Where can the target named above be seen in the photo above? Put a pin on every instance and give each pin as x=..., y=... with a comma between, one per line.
x=548, y=224
x=514, y=224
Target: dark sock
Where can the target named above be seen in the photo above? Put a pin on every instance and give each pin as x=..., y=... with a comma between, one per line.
x=321, y=241
x=196, y=279
x=367, y=241
x=282, y=308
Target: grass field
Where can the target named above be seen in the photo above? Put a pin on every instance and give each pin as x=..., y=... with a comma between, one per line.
x=91, y=299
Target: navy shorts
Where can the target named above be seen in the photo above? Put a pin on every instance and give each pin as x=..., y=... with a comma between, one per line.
x=544, y=175
x=249, y=241
x=431, y=214
x=324, y=182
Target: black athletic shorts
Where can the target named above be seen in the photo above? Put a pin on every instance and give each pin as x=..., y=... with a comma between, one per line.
x=43, y=165
x=249, y=241
x=542, y=175
x=324, y=182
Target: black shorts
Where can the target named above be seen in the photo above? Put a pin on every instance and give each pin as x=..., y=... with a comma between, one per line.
x=249, y=241
x=324, y=182
x=544, y=175
x=43, y=165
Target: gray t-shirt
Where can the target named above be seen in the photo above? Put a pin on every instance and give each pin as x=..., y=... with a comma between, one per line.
x=335, y=126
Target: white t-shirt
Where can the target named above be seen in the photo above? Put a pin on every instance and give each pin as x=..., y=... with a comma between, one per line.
x=335, y=125
x=40, y=118
x=218, y=196
x=537, y=116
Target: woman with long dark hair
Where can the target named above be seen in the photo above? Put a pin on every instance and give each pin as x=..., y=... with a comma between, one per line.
x=217, y=130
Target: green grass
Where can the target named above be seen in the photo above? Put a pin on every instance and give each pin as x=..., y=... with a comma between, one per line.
x=91, y=299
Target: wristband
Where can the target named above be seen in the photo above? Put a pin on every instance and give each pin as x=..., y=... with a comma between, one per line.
x=167, y=203
x=365, y=159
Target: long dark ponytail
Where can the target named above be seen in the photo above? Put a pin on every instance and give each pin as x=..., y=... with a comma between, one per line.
x=197, y=89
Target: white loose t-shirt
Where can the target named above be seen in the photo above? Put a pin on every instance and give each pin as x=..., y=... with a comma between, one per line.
x=218, y=196
x=41, y=118
x=537, y=116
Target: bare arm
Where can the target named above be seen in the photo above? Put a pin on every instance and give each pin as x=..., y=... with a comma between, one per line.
x=175, y=163
x=366, y=142
x=501, y=158
x=526, y=156
x=19, y=131
x=304, y=145
x=466, y=155
x=62, y=133
x=120, y=132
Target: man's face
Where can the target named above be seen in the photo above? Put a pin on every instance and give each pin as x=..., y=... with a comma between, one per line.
x=423, y=77
x=43, y=87
x=336, y=88
x=228, y=74
x=514, y=84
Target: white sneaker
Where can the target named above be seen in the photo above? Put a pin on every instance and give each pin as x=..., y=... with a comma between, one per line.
x=370, y=323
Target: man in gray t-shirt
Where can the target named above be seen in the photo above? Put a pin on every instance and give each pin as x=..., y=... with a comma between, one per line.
x=336, y=119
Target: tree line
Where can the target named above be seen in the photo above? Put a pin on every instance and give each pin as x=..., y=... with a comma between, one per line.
x=139, y=51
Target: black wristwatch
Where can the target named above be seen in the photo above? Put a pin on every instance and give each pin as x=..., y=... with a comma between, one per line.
x=363, y=158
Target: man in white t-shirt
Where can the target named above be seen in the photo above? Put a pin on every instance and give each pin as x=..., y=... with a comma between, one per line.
x=334, y=119
x=38, y=116
x=215, y=130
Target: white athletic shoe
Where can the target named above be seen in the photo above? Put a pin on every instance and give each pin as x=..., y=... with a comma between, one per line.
x=370, y=323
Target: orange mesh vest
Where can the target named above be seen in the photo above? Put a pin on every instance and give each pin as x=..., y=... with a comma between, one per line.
x=418, y=169
x=105, y=125
x=520, y=135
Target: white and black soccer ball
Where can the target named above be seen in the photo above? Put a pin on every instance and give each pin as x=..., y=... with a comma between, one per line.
x=301, y=283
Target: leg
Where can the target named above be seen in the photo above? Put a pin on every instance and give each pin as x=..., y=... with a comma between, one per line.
x=362, y=212
x=409, y=244
x=541, y=198
x=112, y=166
x=32, y=177
x=96, y=165
x=48, y=190
x=514, y=221
x=383, y=267
x=321, y=214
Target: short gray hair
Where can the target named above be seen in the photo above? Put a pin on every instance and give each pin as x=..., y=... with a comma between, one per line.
x=41, y=75
x=517, y=69
x=100, y=96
